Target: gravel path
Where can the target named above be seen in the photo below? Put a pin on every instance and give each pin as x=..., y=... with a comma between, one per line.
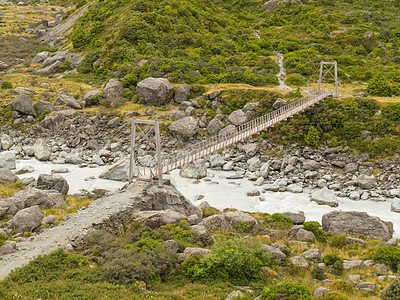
x=73, y=228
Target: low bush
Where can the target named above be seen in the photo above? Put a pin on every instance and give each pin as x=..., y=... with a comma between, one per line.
x=392, y=292
x=318, y=273
x=388, y=255
x=6, y=85
x=3, y=238
x=335, y=296
x=287, y=291
x=66, y=66
x=314, y=227
x=331, y=258
x=337, y=241
x=336, y=268
x=279, y=218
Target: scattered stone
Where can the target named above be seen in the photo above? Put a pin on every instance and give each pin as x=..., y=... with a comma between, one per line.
x=53, y=182
x=299, y=233
x=298, y=218
x=43, y=106
x=23, y=104
x=299, y=262
x=357, y=223
x=354, y=278
x=190, y=251
x=324, y=197
x=395, y=206
x=25, y=170
x=41, y=150
x=182, y=93
x=196, y=170
x=214, y=126
x=277, y=254
x=368, y=287
x=49, y=220
x=27, y=219
x=352, y=264
x=68, y=101
x=6, y=142
x=155, y=91
x=6, y=176
x=238, y=117
x=184, y=128
x=279, y=102
x=313, y=255
x=294, y=188
x=113, y=91
x=235, y=295
x=7, y=160
x=320, y=292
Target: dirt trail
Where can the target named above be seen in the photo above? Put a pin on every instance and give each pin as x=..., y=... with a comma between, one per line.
x=73, y=228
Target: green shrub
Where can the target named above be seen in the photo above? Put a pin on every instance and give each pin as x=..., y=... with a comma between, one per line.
x=5, y=85
x=392, y=292
x=279, y=218
x=66, y=66
x=379, y=86
x=388, y=255
x=312, y=138
x=392, y=111
x=294, y=79
x=314, y=227
x=337, y=241
x=336, y=268
x=287, y=291
x=181, y=231
x=331, y=258
x=318, y=273
x=129, y=80
x=79, y=38
x=3, y=238
x=335, y=296
x=128, y=95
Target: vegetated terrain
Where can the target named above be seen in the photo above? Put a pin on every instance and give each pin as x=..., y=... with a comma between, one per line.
x=140, y=265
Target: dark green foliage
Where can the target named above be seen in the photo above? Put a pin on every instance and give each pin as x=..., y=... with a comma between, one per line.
x=230, y=259
x=286, y=291
x=331, y=258
x=336, y=268
x=388, y=255
x=78, y=38
x=335, y=296
x=294, y=79
x=379, y=86
x=392, y=292
x=5, y=85
x=66, y=66
x=86, y=66
x=314, y=227
x=392, y=111
x=312, y=138
x=337, y=241
x=3, y=238
x=318, y=273
x=279, y=218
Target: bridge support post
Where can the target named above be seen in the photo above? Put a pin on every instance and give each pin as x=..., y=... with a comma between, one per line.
x=328, y=71
x=158, y=150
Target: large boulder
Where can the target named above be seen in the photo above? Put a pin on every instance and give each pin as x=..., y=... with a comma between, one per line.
x=279, y=103
x=155, y=91
x=189, y=252
x=324, y=196
x=6, y=176
x=299, y=262
x=44, y=198
x=7, y=160
x=68, y=101
x=182, y=93
x=113, y=90
x=43, y=106
x=23, y=104
x=155, y=219
x=366, y=182
x=238, y=117
x=53, y=182
x=51, y=69
x=395, y=205
x=41, y=150
x=356, y=223
x=231, y=220
x=214, y=126
x=119, y=171
x=184, y=128
x=155, y=197
x=89, y=98
x=297, y=232
x=298, y=218
x=27, y=219
x=196, y=170
x=6, y=142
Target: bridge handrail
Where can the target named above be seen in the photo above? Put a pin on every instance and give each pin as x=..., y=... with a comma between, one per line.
x=217, y=142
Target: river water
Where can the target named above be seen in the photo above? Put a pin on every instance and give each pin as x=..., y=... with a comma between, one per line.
x=221, y=193
x=282, y=73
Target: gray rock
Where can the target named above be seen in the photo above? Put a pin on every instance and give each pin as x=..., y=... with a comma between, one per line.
x=320, y=292
x=182, y=93
x=235, y=295
x=68, y=101
x=395, y=206
x=253, y=193
x=89, y=100
x=190, y=251
x=171, y=245
x=298, y=218
x=277, y=253
x=313, y=255
x=311, y=165
x=20, y=90
x=41, y=150
x=350, y=168
x=53, y=182
x=254, y=164
x=49, y=220
x=119, y=171
x=228, y=130
x=368, y=287
x=40, y=57
x=366, y=182
x=214, y=126
x=6, y=142
x=177, y=115
x=6, y=176
x=354, y=278
x=155, y=219
x=32, y=196
x=216, y=161
x=8, y=248
x=113, y=90
x=74, y=159
x=27, y=219
x=324, y=197
x=279, y=102
x=43, y=106
x=3, y=65
x=23, y=104
x=228, y=166
x=193, y=219
x=231, y=220
x=264, y=170
x=294, y=188
x=354, y=195
x=196, y=170
x=356, y=223
x=352, y=240
x=238, y=117
x=155, y=91
x=51, y=69
x=299, y=233
x=352, y=264
x=25, y=170
x=7, y=160
x=184, y=128
x=299, y=262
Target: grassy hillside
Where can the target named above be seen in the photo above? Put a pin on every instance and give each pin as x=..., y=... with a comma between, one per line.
x=232, y=41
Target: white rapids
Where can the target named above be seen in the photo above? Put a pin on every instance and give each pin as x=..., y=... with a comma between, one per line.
x=282, y=73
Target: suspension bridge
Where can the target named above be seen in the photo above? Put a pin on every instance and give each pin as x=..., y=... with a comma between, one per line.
x=209, y=146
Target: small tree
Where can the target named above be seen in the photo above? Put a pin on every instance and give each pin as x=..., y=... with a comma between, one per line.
x=379, y=86
x=78, y=37
x=392, y=292
x=312, y=138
